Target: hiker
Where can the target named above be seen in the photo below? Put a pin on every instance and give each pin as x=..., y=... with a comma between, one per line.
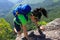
x=21, y=19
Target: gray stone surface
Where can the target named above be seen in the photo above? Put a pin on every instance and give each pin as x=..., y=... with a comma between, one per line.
x=52, y=31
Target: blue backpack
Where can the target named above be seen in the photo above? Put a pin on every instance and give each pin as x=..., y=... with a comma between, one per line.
x=22, y=9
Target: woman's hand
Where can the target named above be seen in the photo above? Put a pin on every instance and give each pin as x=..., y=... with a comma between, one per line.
x=42, y=27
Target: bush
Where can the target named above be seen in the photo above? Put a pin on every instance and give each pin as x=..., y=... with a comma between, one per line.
x=5, y=30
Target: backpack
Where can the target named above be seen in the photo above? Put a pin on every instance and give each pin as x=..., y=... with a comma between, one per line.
x=22, y=9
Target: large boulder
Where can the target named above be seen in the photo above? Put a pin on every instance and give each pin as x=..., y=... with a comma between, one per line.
x=52, y=31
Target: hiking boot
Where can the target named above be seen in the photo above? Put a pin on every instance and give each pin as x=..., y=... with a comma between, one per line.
x=24, y=38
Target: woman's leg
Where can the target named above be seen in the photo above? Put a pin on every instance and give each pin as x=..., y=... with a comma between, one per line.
x=25, y=31
x=18, y=37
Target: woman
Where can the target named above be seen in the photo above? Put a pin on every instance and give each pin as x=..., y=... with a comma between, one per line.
x=21, y=19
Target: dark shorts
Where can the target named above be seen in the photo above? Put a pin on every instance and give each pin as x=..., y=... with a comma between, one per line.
x=18, y=28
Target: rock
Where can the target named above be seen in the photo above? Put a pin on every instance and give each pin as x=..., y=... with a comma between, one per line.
x=54, y=25
x=52, y=32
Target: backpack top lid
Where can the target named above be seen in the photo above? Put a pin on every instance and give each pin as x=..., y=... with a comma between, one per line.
x=24, y=9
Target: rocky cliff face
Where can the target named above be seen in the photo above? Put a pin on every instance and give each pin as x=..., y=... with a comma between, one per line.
x=52, y=31
x=54, y=25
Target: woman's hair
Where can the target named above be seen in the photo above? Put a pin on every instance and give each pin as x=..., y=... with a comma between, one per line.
x=38, y=12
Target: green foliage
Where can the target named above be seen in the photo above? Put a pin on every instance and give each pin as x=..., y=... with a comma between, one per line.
x=5, y=30
x=42, y=23
x=52, y=14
